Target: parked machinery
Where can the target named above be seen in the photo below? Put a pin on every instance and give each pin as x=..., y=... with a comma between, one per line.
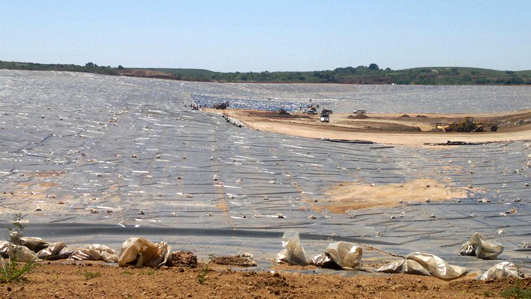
x=469, y=125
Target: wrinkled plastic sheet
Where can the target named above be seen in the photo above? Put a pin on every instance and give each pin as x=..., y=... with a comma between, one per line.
x=479, y=247
x=502, y=270
x=424, y=264
x=139, y=252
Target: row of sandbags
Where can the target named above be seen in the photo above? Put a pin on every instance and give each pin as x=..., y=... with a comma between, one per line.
x=344, y=255
x=138, y=252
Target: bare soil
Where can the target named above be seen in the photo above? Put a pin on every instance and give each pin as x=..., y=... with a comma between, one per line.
x=354, y=196
x=102, y=281
x=417, y=129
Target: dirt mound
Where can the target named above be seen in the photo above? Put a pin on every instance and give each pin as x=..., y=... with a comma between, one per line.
x=358, y=116
x=182, y=259
x=241, y=261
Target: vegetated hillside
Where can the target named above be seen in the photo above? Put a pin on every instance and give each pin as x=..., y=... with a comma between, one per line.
x=367, y=75
x=371, y=74
x=88, y=68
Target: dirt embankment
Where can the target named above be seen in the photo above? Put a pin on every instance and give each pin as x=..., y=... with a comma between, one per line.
x=410, y=129
x=101, y=281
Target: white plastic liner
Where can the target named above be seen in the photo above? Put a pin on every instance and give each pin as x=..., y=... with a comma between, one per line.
x=478, y=246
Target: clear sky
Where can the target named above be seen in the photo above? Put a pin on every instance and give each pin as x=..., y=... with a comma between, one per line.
x=259, y=35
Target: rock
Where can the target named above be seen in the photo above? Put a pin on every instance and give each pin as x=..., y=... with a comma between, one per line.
x=428, y=200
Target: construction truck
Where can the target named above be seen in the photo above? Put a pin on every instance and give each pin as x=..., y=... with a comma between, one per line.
x=469, y=125
x=325, y=116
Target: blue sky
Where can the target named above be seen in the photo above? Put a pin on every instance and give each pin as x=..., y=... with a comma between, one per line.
x=255, y=35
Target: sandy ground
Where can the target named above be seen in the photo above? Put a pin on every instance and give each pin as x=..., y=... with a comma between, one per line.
x=93, y=280
x=386, y=128
x=354, y=196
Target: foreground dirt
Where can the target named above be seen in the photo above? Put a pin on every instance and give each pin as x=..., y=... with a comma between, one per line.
x=102, y=281
x=412, y=129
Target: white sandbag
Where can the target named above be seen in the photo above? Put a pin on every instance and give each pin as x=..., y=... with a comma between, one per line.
x=478, y=246
x=33, y=243
x=55, y=251
x=404, y=266
x=345, y=255
x=140, y=252
x=293, y=252
x=95, y=252
x=436, y=266
x=501, y=270
x=424, y=264
x=20, y=253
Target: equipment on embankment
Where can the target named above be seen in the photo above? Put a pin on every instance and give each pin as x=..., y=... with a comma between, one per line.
x=470, y=125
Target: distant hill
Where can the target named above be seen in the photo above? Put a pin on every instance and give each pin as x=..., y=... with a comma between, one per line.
x=88, y=68
x=371, y=74
x=368, y=75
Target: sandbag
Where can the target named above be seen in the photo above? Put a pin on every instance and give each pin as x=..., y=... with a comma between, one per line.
x=342, y=255
x=404, y=266
x=501, y=270
x=94, y=252
x=293, y=252
x=33, y=243
x=55, y=251
x=20, y=253
x=479, y=247
x=424, y=264
x=140, y=252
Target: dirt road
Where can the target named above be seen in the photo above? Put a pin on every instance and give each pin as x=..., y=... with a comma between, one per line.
x=412, y=129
